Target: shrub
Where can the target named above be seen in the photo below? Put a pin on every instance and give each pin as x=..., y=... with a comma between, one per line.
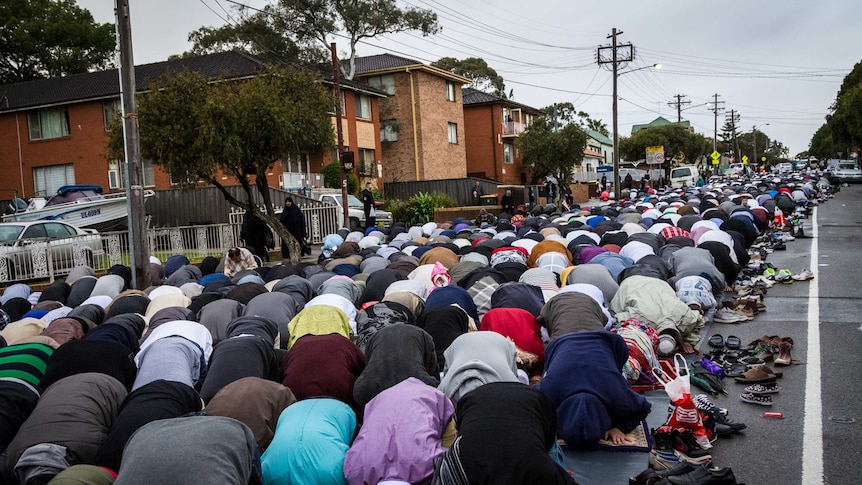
x=332, y=178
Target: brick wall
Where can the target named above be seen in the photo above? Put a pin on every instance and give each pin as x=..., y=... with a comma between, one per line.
x=440, y=159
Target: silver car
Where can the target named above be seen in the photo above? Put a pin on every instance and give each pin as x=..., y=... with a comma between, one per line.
x=847, y=171
x=37, y=249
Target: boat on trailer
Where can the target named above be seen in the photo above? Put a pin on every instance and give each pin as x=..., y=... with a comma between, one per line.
x=80, y=205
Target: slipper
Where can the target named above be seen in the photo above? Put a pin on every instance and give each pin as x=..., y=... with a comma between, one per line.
x=733, y=342
x=716, y=341
x=763, y=400
x=756, y=375
x=735, y=370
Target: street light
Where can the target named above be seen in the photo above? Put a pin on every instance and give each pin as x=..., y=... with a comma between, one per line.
x=754, y=142
x=617, y=187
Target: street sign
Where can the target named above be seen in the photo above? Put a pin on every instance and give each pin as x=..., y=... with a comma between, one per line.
x=655, y=155
x=763, y=159
x=715, y=155
x=604, y=168
x=745, y=159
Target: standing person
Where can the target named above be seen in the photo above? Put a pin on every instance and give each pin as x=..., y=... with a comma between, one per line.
x=256, y=235
x=477, y=193
x=293, y=220
x=368, y=205
x=531, y=197
x=604, y=183
x=628, y=181
x=508, y=203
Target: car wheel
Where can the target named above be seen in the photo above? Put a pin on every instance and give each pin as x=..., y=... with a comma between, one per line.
x=354, y=224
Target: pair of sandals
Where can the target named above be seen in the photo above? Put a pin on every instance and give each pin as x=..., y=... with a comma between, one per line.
x=732, y=342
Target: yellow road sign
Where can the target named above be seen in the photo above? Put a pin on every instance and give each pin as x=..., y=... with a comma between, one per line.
x=745, y=159
x=715, y=156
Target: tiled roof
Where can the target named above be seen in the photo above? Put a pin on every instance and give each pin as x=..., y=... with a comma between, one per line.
x=381, y=62
x=102, y=84
x=475, y=97
x=106, y=84
x=660, y=121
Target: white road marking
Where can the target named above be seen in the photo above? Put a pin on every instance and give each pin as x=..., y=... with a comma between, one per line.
x=812, y=431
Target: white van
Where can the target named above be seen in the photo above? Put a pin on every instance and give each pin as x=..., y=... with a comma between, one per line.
x=684, y=176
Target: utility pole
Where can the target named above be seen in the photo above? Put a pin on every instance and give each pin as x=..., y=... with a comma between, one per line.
x=679, y=104
x=734, y=115
x=138, y=240
x=336, y=89
x=616, y=58
x=716, y=107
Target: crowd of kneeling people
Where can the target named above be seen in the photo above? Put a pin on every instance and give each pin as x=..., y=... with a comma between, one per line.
x=447, y=354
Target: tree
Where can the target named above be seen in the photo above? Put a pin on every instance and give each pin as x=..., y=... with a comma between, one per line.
x=332, y=178
x=309, y=22
x=552, y=152
x=262, y=32
x=679, y=144
x=48, y=38
x=566, y=112
x=196, y=129
x=846, y=120
x=483, y=77
x=821, y=145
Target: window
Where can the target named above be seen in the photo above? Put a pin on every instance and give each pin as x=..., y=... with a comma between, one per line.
x=55, y=229
x=49, y=123
x=363, y=106
x=508, y=153
x=453, y=133
x=389, y=130
x=34, y=232
x=366, y=161
x=385, y=83
x=46, y=180
x=110, y=110
x=117, y=174
x=450, y=91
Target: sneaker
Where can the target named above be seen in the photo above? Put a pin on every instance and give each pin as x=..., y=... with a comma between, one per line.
x=702, y=402
x=769, y=273
x=763, y=400
x=705, y=475
x=762, y=389
x=685, y=446
x=803, y=275
x=783, y=276
x=726, y=315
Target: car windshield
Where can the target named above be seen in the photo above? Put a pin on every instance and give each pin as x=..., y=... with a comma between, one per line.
x=352, y=201
x=680, y=172
x=10, y=232
x=847, y=166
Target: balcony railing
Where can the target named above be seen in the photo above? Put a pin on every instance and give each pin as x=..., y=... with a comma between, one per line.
x=513, y=128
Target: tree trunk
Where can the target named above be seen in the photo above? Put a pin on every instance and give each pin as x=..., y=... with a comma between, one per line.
x=270, y=218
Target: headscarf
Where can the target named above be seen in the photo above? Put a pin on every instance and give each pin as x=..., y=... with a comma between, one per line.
x=475, y=359
x=255, y=402
x=521, y=327
x=79, y=272
x=57, y=291
x=18, y=290
x=216, y=316
x=378, y=316
x=596, y=275
x=16, y=308
x=129, y=301
x=518, y=295
x=318, y=320
x=453, y=295
x=76, y=357
x=341, y=286
x=222, y=450
x=166, y=301
x=444, y=324
x=191, y=331
x=323, y=365
x=558, y=314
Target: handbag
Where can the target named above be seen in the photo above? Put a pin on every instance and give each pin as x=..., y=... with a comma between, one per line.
x=372, y=213
x=685, y=413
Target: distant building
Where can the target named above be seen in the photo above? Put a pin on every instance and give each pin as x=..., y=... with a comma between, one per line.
x=601, y=148
x=422, y=121
x=54, y=131
x=493, y=127
x=660, y=121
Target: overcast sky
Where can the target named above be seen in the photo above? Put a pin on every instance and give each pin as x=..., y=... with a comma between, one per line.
x=774, y=61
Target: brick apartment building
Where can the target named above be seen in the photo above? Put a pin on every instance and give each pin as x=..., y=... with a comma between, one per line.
x=54, y=131
x=423, y=126
x=493, y=125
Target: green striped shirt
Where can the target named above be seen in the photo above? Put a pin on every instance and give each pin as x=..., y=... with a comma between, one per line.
x=26, y=362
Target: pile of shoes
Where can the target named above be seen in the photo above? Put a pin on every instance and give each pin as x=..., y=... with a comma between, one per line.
x=762, y=378
x=686, y=474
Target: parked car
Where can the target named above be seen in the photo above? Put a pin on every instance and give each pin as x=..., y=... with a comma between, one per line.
x=783, y=167
x=684, y=176
x=355, y=212
x=67, y=245
x=846, y=170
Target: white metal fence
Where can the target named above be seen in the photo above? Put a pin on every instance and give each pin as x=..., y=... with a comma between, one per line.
x=45, y=259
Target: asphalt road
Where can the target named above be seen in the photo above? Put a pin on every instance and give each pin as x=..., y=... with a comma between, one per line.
x=820, y=438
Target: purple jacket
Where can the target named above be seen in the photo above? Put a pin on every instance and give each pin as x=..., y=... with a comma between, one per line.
x=400, y=436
